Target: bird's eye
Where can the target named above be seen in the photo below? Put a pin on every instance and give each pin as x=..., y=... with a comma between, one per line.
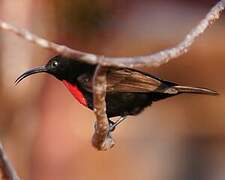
x=55, y=64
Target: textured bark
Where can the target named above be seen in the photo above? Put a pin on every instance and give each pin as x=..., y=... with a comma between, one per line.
x=101, y=139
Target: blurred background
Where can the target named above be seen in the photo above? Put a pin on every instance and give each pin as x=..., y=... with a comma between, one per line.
x=47, y=134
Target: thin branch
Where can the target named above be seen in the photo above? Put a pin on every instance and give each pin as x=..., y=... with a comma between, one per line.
x=102, y=136
x=101, y=139
x=162, y=57
x=7, y=170
x=155, y=59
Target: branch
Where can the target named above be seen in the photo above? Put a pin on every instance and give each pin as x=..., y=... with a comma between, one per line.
x=101, y=139
x=155, y=59
x=7, y=170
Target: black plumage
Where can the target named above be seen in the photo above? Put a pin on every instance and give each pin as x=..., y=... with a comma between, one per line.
x=128, y=91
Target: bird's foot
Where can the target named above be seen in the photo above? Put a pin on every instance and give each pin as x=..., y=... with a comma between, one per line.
x=113, y=125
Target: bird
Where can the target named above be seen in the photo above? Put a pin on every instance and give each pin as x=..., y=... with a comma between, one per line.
x=128, y=91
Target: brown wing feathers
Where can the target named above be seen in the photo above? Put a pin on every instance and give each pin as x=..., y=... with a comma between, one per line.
x=127, y=80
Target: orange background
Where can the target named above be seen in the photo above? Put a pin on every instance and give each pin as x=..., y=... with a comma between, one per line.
x=47, y=134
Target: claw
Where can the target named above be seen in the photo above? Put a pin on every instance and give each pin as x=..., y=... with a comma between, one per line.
x=113, y=125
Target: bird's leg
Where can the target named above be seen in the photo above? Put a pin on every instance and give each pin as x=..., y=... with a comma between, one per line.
x=112, y=125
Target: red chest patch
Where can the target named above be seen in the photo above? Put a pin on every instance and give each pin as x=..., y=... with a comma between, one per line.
x=76, y=92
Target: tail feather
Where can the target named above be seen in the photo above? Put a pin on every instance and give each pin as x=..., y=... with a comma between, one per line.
x=187, y=89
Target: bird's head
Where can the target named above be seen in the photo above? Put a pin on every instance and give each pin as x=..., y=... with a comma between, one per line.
x=60, y=67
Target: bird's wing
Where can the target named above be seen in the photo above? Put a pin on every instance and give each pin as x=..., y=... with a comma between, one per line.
x=128, y=80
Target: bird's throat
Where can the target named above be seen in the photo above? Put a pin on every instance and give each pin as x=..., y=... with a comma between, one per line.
x=75, y=92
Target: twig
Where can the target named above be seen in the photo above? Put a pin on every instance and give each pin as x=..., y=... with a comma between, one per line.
x=7, y=170
x=155, y=60
x=101, y=139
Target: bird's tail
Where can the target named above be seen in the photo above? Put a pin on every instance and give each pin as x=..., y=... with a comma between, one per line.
x=195, y=90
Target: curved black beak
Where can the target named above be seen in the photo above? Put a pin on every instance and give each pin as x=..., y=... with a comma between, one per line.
x=30, y=72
